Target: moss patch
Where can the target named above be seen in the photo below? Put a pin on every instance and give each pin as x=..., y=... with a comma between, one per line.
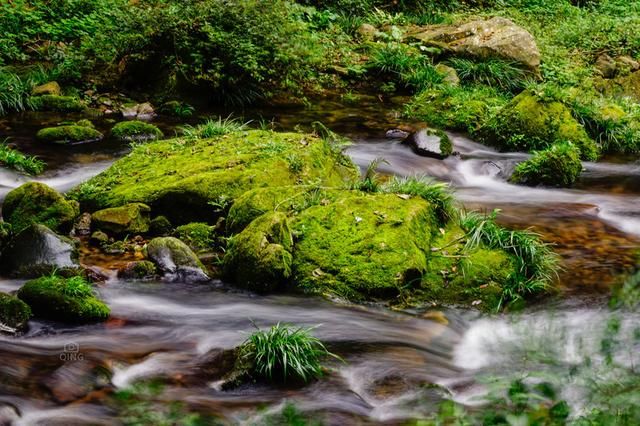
x=71, y=134
x=531, y=123
x=199, y=236
x=557, y=166
x=56, y=103
x=131, y=218
x=60, y=299
x=14, y=312
x=135, y=131
x=35, y=202
x=191, y=180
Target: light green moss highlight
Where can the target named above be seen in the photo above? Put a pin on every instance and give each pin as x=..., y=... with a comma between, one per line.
x=14, y=312
x=60, y=299
x=135, y=131
x=35, y=202
x=131, y=218
x=56, y=103
x=259, y=258
x=531, y=123
x=69, y=134
x=559, y=165
x=191, y=180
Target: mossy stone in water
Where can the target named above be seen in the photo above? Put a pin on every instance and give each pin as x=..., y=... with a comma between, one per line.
x=135, y=131
x=138, y=270
x=129, y=219
x=35, y=202
x=530, y=123
x=70, y=134
x=60, y=299
x=196, y=180
x=559, y=165
x=198, y=235
x=5, y=234
x=14, y=313
x=259, y=258
x=56, y=103
x=175, y=259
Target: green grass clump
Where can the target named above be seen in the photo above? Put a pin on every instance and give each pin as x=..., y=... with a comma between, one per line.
x=13, y=92
x=284, y=353
x=16, y=160
x=559, y=165
x=214, y=127
x=537, y=263
x=438, y=194
x=135, y=131
x=496, y=73
x=60, y=299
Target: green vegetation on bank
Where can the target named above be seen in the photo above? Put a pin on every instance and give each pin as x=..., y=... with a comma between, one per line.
x=14, y=159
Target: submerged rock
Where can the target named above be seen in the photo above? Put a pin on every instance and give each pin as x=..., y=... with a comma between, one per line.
x=129, y=219
x=60, y=299
x=36, y=250
x=496, y=37
x=135, y=131
x=197, y=182
x=430, y=143
x=176, y=260
x=35, y=202
x=14, y=313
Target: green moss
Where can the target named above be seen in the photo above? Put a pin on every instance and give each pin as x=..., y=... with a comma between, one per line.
x=169, y=253
x=129, y=219
x=191, y=180
x=5, y=234
x=160, y=227
x=363, y=246
x=138, y=270
x=56, y=103
x=135, y=131
x=60, y=299
x=14, y=312
x=69, y=134
x=199, y=236
x=35, y=202
x=529, y=122
x=556, y=166
x=259, y=258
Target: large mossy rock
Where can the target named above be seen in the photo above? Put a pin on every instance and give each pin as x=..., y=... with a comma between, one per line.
x=37, y=249
x=56, y=103
x=69, y=134
x=135, y=131
x=60, y=299
x=559, y=165
x=14, y=313
x=176, y=260
x=496, y=37
x=529, y=122
x=35, y=202
x=627, y=86
x=259, y=258
x=191, y=180
x=50, y=88
x=129, y=219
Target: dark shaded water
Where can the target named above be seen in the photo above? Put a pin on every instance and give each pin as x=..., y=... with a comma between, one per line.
x=174, y=331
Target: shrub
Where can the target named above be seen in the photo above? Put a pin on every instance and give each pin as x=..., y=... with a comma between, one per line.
x=559, y=165
x=16, y=160
x=285, y=353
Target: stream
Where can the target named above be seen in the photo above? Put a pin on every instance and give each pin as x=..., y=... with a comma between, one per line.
x=397, y=365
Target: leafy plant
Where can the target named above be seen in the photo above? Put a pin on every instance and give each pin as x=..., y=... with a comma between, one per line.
x=285, y=353
x=14, y=159
x=370, y=181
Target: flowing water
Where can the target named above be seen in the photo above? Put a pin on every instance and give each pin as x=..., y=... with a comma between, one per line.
x=397, y=365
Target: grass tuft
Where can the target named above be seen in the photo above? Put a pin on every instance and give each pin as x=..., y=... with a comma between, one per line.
x=438, y=194
x=16, y=160
x=214, y=127
x=495, y=73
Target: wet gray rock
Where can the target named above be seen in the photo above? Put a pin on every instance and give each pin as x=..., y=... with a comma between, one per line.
x=176, y=260
x=430, y=143
x=142, y=111
x=396, y=134
x=38, y=249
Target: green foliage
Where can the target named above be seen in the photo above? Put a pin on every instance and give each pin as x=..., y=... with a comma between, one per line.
x=370, y=181
x=14, y=313
x=404, y=65
x=559, y=165
x=495, y=73
x=628, y=294
x=214, y=127
x=14, y=159
x=197, y=235
x=177, y=109
x=135, y=131
x=437, y=194
x=537, y=263
x=284, y=353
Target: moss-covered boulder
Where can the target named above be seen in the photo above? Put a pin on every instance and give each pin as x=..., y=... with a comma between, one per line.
x=176, y=260
x=129, y=219
x=68, y=300
x=35, y=202
x=627, y=86
x=559, y=165
x=69, y=134
x=141, y=270
x=14, y=313
x=191, y=180
x=430, y=143
x=50, y=88
x=530, y=122
x=260, y=257
x=198, y=235
x=135, y=131
x=56, y=103
x=36, y=250
x=160, y=227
